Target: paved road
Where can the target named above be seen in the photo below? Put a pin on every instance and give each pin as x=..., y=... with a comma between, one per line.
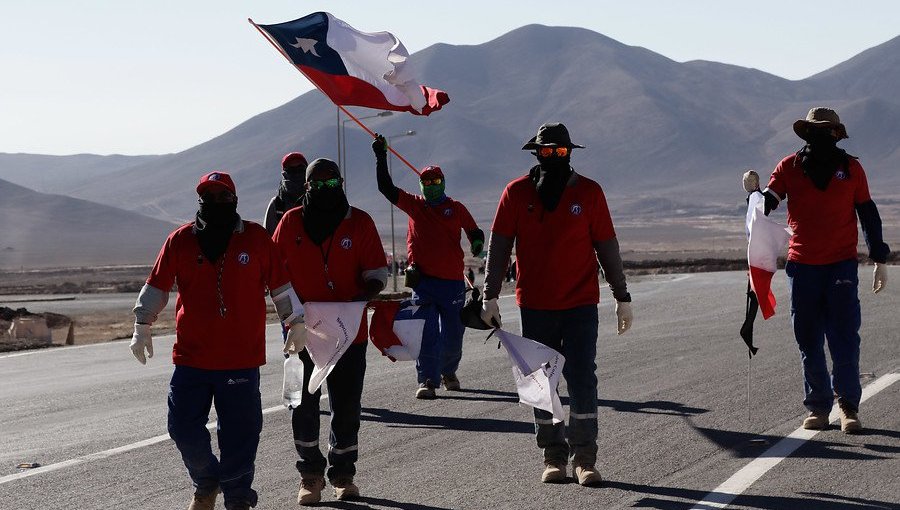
x=673, y=419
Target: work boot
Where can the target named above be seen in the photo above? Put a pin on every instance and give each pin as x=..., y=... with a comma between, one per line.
x=553, y=473
x=204, y=501
x=450, y=382
x=345, y=489
x=588, y=476
x=311, y=486
x=817, y=420
x=426, y=390
x=849, y=419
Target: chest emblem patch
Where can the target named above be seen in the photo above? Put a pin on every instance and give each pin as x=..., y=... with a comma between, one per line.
x=841, y=174
x=448, y=212
x=346, y=243
x=575, y=209
x=244, y=258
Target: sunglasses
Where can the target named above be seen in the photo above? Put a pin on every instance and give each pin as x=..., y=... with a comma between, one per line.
x=546, y=152
x=429, y=182
x=334, y=182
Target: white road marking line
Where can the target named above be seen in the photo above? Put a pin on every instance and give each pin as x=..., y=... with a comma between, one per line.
x=723, y=495
x=112, y=451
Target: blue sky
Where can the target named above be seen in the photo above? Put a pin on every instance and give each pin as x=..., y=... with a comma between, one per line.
x=151, y=77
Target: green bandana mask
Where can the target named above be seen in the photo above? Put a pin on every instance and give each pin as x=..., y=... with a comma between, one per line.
x=433, y=193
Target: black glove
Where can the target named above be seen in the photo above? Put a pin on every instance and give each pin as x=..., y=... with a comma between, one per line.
x=771, y=202
x=379, y=146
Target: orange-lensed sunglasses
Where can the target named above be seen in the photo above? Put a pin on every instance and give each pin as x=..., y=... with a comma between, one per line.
x=429, y=182
x=546, y=152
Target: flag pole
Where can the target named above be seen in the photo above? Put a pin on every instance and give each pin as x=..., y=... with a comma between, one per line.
x=340, y=107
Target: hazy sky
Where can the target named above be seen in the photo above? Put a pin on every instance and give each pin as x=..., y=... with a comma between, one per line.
x=150, y=77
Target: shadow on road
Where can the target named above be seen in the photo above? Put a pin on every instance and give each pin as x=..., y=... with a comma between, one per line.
x=481, y=395
x=690, y=497
x=739, y=445
x=409, y=420
x=379, y=503
x=651, y=407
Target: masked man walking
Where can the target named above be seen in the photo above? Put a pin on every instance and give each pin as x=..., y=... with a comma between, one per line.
x=560, y=224
x=222, y=266
x=333, y=253
x=434, y=252
x=291, y=189
x=826, y=190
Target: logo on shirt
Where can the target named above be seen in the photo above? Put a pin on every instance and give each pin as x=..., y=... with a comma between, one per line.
x=841, y=174
x=448, y=212
x=575, y=209
x=346, y=243
x=244, y=258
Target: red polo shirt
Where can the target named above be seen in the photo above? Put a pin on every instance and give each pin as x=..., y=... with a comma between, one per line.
x=203, y=337
x=433, y=237
x=334, y=270
x=556, y=264
x=824, y=222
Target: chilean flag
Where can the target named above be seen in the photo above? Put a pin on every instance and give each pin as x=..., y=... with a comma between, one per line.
x=352, y=67
x=536, y=369
x=331, y=328
x=767, y=240
x=397, y=328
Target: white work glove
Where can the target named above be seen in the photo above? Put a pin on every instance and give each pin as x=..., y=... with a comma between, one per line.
x=624, y=317
x=490, y=313
x=880, y=278
x=296, y=338
x=750, y=181
x=140, y=341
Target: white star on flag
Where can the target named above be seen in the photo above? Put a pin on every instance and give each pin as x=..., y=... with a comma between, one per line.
x=307, y=45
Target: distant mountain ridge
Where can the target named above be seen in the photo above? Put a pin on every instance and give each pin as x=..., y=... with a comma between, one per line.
x=660, y=136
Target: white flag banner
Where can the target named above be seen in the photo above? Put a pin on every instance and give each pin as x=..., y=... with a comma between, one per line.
x=536, y=369
x=767, y=240
x=331, y=328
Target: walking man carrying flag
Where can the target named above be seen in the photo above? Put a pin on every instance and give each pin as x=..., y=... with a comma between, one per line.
x=435, y=223
x=827, y=190
x=561, y=226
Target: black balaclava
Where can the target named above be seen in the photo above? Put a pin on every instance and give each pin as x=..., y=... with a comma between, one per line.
x=821, y=157
x=325, y=208
x=292, y=187
x=550, y=177
x=215, y=224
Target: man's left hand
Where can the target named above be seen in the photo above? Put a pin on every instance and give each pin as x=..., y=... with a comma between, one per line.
x=477, y=247
x=296, y=338
x=624, y=317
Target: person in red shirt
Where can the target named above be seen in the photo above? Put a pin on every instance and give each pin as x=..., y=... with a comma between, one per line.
x=560, y=224
x=827, y=190
x=223, y=266
x=433, y=250
x=332, y=252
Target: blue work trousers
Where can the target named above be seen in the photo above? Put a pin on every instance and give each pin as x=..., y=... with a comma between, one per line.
x=345, y=385
x=573, y=333
x=825, y=306
x=443, y=335
x=235, y=394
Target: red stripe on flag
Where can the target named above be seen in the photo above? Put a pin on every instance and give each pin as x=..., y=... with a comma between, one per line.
x=381, y=331
x=347, y=90
x=761, y=282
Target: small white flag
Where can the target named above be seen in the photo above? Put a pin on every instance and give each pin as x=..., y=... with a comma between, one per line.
x=536, y=369
x=331, y=328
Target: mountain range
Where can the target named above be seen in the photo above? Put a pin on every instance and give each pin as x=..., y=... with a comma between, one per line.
x=663, y=138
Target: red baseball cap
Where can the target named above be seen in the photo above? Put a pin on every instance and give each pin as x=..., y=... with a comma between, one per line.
x=215, y=179
x=293, y=159
x=431, y=171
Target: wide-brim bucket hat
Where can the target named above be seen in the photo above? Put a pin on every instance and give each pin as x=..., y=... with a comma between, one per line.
x=820, y=117
x=552, y=134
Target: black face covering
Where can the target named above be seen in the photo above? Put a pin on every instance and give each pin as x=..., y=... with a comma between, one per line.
x=323, y=211
x=215, y=224
x=550, y=178
x=821, y=157
x=291, y=189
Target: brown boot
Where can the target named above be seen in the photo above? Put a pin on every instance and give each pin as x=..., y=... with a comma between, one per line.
x=311, y=485
x=588, y=476
x=450, y=382
x=849, y=419
x=204, y=501
x=816, y=421
x=345, y=489
x=553, y=472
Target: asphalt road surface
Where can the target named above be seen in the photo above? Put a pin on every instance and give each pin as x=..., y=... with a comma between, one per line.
x=674, y=420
